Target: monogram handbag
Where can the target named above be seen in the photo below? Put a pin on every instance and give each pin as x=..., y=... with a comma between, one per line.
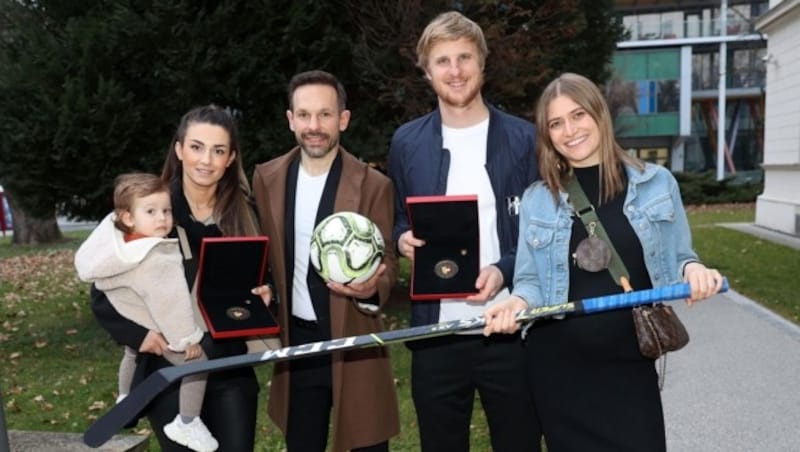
x=658, y=328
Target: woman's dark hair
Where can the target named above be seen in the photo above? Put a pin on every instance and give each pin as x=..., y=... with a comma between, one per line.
x=233, y=213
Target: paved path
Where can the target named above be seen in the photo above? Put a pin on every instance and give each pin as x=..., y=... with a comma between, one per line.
x=736, y=385
x=778, y=237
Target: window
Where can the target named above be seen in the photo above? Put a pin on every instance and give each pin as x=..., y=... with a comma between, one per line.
x=658, y=96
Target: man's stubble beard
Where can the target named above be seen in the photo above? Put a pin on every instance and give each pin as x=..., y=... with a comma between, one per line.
x=467, y=100
x=318, y=153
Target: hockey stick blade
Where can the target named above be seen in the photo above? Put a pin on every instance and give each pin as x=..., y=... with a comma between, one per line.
x=124, y=412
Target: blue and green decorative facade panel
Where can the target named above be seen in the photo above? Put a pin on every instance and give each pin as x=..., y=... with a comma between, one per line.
x=647, y=92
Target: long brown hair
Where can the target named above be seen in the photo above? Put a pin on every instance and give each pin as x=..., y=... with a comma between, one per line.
x=553, y=167
x=233, y=212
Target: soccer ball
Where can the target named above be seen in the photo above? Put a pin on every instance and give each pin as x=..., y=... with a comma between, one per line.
x=346, y=247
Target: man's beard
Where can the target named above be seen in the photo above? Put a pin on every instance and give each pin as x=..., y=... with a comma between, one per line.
x=460, y=101
x=320, y=150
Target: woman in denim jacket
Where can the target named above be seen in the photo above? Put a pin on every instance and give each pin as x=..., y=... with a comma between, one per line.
x=592, y=387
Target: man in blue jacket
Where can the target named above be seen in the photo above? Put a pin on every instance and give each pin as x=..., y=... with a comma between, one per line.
x=466, y=146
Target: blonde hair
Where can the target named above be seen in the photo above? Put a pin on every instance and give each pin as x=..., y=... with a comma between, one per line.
x=553, y=167
x=130, y=187
x=449, y=27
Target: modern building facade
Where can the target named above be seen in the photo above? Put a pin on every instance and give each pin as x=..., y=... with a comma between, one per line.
x=667, y=94
x=778, y=207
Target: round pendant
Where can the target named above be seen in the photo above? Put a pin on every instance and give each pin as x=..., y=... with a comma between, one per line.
x=592, y=254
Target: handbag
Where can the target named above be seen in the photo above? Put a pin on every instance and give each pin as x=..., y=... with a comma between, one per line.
x=658, y=328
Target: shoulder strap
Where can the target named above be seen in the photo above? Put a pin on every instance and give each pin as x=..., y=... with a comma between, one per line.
x=586, y=212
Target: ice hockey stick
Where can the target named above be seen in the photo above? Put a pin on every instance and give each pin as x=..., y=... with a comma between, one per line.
x=124, y=412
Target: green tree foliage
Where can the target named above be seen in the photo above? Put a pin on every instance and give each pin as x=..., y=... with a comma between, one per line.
x=530, y=42
x=91, y=89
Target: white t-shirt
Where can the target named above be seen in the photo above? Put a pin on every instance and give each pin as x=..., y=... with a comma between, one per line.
x=306, y=203
x=467, y=176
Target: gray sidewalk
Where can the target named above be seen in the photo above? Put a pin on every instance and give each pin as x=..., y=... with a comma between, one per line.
x=735, y=385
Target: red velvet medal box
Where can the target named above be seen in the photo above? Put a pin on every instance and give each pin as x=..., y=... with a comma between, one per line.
x=448, y=264
x=229, y=268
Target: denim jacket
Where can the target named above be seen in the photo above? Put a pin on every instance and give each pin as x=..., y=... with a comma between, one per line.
x=654, y=209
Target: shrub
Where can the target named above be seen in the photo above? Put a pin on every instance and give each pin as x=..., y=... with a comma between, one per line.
x=703, y=188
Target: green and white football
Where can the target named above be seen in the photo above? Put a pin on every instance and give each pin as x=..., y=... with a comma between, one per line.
x=346, y=247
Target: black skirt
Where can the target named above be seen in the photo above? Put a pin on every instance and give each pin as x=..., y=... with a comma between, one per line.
x=592, y=388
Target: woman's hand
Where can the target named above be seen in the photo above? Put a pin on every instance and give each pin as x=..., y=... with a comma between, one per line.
x=502, y=317
x=153, y=343
x=406, y=244
x=192, y=352
x=265, y=292
x=704, y=281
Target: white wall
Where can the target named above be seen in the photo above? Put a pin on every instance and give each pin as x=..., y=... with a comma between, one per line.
x=778, y=207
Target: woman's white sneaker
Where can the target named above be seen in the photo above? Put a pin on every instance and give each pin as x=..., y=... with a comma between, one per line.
x=193, y=435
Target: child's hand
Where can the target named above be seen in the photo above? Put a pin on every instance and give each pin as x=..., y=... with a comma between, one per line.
x=265, y=292
x=193, y=352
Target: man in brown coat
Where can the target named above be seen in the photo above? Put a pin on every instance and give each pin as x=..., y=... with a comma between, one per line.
x=293, y=193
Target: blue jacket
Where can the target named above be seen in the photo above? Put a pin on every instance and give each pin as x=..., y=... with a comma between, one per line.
x=418, y=166
x=654, y=209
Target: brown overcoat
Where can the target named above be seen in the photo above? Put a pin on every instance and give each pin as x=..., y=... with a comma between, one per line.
x=365, y=408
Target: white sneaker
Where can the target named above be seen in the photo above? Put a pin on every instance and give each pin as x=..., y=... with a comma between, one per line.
x=193, y=435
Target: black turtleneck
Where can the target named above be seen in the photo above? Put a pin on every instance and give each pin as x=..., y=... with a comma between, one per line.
x=195, y=230
x=583, y=284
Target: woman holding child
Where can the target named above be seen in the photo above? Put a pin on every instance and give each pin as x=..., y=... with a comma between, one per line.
x=210, y=198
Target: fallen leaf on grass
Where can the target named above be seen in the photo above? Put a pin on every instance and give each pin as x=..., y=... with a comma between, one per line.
x=16, y=389
x=40, y=343
x=97, y=405
x=71, y=332
x=15, y=355
x=12, y=407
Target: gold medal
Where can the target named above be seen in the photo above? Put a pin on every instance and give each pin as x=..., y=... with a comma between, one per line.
x=238, y=313
x=445, y=269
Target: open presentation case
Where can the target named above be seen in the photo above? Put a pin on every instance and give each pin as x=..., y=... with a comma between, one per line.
x=448, y=264
x=229, y=268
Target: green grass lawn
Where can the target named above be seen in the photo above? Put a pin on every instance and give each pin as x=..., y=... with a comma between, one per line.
x=759, y=269
x=59, y=367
